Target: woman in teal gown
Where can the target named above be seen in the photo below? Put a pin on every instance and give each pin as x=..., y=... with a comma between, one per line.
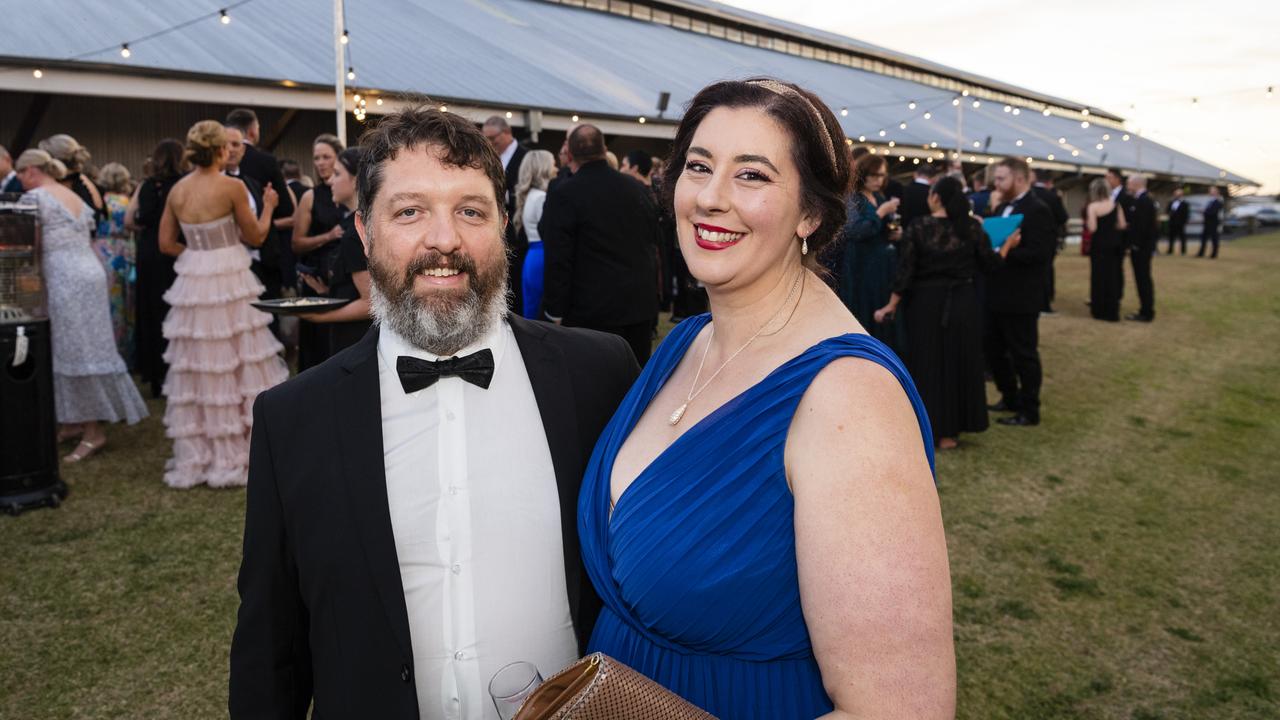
x=759, y=517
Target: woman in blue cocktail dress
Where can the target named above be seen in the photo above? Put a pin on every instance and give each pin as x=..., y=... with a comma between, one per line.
x=759, y=517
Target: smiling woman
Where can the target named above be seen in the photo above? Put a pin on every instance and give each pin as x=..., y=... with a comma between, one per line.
x=805, y=572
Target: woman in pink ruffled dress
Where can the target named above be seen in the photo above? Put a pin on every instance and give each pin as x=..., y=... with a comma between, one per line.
x=221, y=353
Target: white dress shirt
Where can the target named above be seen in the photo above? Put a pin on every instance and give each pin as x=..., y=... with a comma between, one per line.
x=1115, y=192
x=476, y=519
x=506, y=155
x=1008, y=209
x=254, y=252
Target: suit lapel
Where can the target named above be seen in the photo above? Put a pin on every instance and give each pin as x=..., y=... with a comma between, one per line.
x=557, y=406
x=358, y=401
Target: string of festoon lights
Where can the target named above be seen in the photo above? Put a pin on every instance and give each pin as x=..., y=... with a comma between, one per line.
x=126, y=48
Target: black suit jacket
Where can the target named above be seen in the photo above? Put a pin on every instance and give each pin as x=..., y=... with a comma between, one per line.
x=1018, y=284
x=513, y=175
x=263, y=167
x=322, y=611
x=269, y=252
x=915, y=202
x=1179, y=216
x=1140, y=213
x=599, y=231
x=1053, y=201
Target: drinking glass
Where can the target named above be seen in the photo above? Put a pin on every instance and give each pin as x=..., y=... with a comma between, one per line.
x=511, y=685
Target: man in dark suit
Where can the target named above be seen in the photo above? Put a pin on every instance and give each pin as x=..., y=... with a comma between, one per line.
x=1212, y=216
x=1015, y=294
x=599, y=229
x=498, y=132
x=1142, y=236
x=9, y=182
x=915, y=196
x=268, y=276
x=1044, y=191
x=411, y=522
x=263, y=167
x=1179, y=214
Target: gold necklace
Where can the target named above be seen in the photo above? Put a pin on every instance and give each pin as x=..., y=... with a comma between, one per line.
x=694, y=390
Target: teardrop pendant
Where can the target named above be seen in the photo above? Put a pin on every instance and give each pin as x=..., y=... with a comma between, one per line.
x=679, y=413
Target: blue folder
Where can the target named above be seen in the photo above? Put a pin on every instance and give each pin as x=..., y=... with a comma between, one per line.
x=1000, y=228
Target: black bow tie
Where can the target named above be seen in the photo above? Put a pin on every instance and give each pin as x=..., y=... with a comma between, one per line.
x=416, y=373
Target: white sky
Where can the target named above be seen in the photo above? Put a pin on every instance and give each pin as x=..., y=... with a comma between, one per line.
x=1111, y=54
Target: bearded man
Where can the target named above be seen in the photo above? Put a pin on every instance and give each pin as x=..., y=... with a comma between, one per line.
x=411, y=518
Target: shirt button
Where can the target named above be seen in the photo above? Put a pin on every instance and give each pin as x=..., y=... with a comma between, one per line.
x=404, y=673
x=457, y=569
x=459, y=655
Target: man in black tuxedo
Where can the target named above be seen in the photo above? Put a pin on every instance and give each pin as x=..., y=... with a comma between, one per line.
x=411, y=521
x=1044, y=191
x=263, y=167
x=9, y=182
x=915, y=196
x=498, y=132
x=1179, y=214
x=1209, y=230
x=1015, y=294
x=1142, y=236
x=266, y=274
x=599, y=229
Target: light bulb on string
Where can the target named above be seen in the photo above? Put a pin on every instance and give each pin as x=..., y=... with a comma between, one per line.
x=883, y=133
x=844, y=112
x=1018, y=143
x=1125, y=137
x=928, y=116
x=965, y=93
x=125, y=51
x=444, y=108
x=892, y=143
x=508, y=114
x=1106, y=137
x=1046, y=112
x=915, y=161
x=642, y=121
x=345, y=38
x=977, y=104
x=1098, y=146
x=902, y=126
x=356, y=97
x=575, y=118
x=862, y=138
x=351, y=73
x=956, y=102
x=933, y=145
x=902, y=158
x=1062, y=141
x=1269, y=91
x=977, y=143
x=37, y=73
x=1085, y=112
x=1008, y=108
x=1084, y=123
x=379, y=101
x=1050, y=156
x=223, y=17
x=911, y=105
x=1075, y=153
x=1017, y=111
x=973, y=159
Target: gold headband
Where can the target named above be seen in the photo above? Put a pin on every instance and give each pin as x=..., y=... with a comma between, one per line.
x=787, y=91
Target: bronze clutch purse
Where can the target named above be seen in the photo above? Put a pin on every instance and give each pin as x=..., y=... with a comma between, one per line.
x=597, y=687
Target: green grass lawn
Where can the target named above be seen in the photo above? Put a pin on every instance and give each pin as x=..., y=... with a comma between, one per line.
x=1119, y=561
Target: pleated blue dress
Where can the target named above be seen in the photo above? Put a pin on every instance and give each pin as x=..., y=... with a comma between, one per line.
x=697, y=564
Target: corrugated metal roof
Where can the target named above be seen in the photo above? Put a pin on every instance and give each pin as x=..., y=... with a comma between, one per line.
x=525, y=53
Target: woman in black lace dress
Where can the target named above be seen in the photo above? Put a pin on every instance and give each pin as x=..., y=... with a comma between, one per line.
x=939, y=258
x=1105, y=221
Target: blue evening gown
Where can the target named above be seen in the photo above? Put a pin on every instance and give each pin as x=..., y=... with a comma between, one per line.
x=697, y=566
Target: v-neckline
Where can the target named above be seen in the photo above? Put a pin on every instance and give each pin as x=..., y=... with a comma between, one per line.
x=714, y=415
x=67, y=210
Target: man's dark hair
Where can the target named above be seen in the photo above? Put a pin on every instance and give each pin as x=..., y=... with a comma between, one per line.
x=586, y=144
x=1016, y=165
x=641, y=161
x=929, y=168
x=858, y=152
x=290, y=169
x=1118, y=173
x=823, y=165
x=241, y=119
x=461, y=144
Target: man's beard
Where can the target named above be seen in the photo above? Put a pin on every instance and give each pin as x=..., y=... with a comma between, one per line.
x=442, y=323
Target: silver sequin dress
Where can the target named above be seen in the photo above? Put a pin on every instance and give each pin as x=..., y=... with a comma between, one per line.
x=90, y=381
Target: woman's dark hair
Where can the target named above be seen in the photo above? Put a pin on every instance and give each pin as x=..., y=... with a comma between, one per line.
x=950, y=192
x=350, y=159
x=167, y=159
x=865, y=167
x=823, y=163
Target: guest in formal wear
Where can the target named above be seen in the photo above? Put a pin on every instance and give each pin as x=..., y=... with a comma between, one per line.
x=536, y=172
x=266, y=271
x=915, y=196
x=9, y=182
x=599, y=229
x=348, y=276
x=868, y=256
x=114, y=244
x=980, y=196
x=939, y=260
x=1105, y=222
x=411, y=520
x=1179, y=214
x=316, y=242
x=155, y=269
x=264, y=169
x=292, y=173
x=1044, y=190
x=1015, y=296
x=498, y=132
x=91, y=384
x=75, y=157
x=734, y=517
x=220, y=354
x=1212, y=218
x=639, y=165
x=1142, y=236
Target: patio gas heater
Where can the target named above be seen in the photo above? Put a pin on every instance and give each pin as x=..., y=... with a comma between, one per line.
x=28, y=427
